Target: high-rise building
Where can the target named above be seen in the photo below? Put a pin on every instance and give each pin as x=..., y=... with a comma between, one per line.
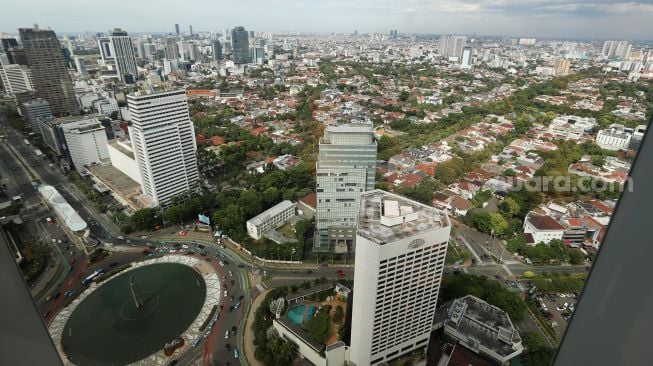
x=452, y=46
x=561, y=66
x=401, y=247
x=191, y=30
x=176, y=29
x=217, y=50
x=240, y=46
x=164, y=144
x=85, y=143
x=616, y=49
x=49, y=73
x=16, y=78
x=346, y=167
x=466, y=60
x=33, y=110
x=171, y=48
x=117, y=51
x=5, y=45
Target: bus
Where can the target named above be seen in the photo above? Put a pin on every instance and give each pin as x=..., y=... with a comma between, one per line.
x=92, y=276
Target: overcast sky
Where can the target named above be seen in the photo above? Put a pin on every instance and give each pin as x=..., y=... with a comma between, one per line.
x=593, y=19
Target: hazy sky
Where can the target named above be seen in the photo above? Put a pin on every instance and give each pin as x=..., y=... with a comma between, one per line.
x=628, y=19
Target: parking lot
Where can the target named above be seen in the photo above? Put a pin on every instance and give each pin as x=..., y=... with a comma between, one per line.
x=560, y=308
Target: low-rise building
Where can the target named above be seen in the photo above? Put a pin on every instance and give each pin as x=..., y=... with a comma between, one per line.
x=270, y=219
x=542, y=228
x=617, y=137
x=480, y=327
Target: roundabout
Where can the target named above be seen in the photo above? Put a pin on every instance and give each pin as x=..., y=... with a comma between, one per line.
x=128, y=318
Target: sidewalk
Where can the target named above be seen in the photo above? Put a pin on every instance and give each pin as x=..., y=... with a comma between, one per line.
x=248, y=337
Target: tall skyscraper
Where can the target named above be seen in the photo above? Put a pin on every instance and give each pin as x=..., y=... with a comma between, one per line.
x=163, y=138
x=117, y=51
x=346, y=167
x=466, y=60
x=16, y=78
x=401, y=246
x=240, y=46
x=5, y=45
x=46, y=61
x=171, y=49
x=176, y=29
x=217, y=50
x=191, y=30
x=616, y=49
x=452, y=46
x=561, y=66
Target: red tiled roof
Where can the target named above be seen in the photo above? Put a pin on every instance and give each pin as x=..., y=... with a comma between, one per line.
x=310, y=200
x=217, y=140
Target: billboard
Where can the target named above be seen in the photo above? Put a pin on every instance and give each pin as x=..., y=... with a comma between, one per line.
x=204, y=219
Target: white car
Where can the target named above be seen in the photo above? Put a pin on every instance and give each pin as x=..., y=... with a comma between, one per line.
x=185, y=246
x=221, y=263
x=225, y=293
x=231, y=274
x=226, y=335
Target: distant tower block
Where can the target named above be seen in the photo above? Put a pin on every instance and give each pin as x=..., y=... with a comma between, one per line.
x=133, y=285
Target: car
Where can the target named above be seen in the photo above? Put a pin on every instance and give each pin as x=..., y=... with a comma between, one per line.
x=227, y=347
x=69, y=293
x=241, y=266
x=46, y=314
x=207, y=259
x=224, y=285
x=232, y=298
x=203, y=254
x=240, y=298
x=236, y=352
x=48, y=298
x=231, y=274
x=231, y=308
x=233, y=282
x=185, y=246
x=309, y=271
x=200, y=246
x=221, y=263
x=144, y=237
x=225, y=293
x=236, y=305
x=226, y=263
x=560, y=308
x=226, y=335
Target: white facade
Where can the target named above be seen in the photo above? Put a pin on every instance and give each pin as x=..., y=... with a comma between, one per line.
x=452, y=46
x=400, y=251
x=16, y=78
x=346, y=167
x=35, y=109
x=466, y=61
x=117, y=50
x=270, y=219
x=86, y=142
x=542, y=228
x=163, y=138
x=122, y=158
x=617, y=137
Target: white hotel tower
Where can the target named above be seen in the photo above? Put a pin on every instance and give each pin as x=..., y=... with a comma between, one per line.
x=400, y=251
x=164, y=145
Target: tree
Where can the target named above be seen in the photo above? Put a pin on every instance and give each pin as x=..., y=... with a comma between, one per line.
x=339, y=314
x=509, y=207
x=536, y=353
x=145, y=219
x=403, y=96
x=498, y=224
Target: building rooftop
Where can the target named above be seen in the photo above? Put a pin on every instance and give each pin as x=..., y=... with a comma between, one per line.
x=542, y=222
x=114, y=144
x=272, y=211
x=385, y=217
x=66, y=212
x=483, y=323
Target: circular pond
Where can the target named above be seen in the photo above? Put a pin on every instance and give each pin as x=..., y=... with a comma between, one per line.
x=108, y=328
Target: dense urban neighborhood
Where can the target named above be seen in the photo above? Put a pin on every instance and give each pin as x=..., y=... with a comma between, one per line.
x=341, y=198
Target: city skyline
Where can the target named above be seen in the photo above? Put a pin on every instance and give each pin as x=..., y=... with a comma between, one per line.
x=569, y=19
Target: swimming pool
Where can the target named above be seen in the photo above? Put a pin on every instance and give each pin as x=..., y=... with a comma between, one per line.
x=297, y=314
